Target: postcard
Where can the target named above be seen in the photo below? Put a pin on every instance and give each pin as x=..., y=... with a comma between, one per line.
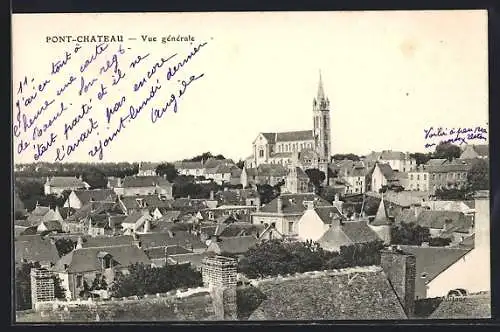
x=250, y=166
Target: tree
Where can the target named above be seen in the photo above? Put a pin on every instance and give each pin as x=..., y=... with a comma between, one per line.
x=23, y=285
x=409, y=234
x=65, y=246
x=144, y=279
x=421, y=158
x=95, y=178
x=447, y=151
x=240, y=164
x=267, y=193
x=167, y=170
x=452, y=194
x=349, y=156
x=439, y=242
x=478, y=176
x=316, y=176
x=99, y=283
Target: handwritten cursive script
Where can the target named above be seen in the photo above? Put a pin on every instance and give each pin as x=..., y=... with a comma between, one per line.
x=87, y=96
x=461, y=135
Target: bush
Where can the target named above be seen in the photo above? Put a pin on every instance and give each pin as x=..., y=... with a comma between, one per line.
x=439, y=242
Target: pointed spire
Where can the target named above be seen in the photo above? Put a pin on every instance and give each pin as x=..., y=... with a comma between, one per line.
x=321, y=92
x=381, y=212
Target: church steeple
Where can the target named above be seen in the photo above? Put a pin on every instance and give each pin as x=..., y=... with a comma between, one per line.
x=321, y=117
x=321, y=92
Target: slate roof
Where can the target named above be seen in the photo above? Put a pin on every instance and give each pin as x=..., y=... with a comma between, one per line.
x=66, y=182
x=145, y=181
x=237, y=244
x=222, y=169
x=437, y=219
x=381, y=218
x=36, y=216
x=328, y=213
x=348, y=233
x=240, y=229
x=189, y=165
x=159, y=252
x=275, y=170
x=350, y=294
x=195, y=259
x=133, y=218
x=456, y=165
x=35, y=248
x=105, y=241
x=270, y=137
x=148, y=166
x=86, y=259
x=473, y=306
x=430, y=262
x=293, y=203
x=436, y=161
x=93, y=209
x=235, y=196
x=290, y=136
x=53, y=225
x=386, y=170
x=86, y=196
x=181, y=238
x=150, y=201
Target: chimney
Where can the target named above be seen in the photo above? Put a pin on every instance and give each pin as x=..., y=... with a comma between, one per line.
x=400, y=269
x=219, y=274
x=279, y=203
x=147, y=225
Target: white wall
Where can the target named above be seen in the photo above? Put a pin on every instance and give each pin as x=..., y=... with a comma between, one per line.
x=73, y=201
x=310, y=226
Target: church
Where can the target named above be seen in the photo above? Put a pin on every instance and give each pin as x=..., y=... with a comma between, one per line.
x=305, y=148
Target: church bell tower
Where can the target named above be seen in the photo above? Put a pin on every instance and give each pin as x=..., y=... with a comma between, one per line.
x=321, y=131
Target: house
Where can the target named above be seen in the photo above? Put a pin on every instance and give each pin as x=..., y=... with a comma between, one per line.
x=469, y=306
x=296, y=181
x=95, y=218
x=362, y=293
x=285, y=211
x=35, y=248
x=238, y=212
x=49, y=226
x=137, y=222
x=381, y=175
x=270, y=233
x=146, y=185
x=184, y=239
x=222, y=173
x=450, y=174
x=418, y=179
x=238, y=229
x=463, y=267
x=147, y=169
x=345, y=234
x=237, y=245
x=247, y=197
x=459, y=206
x=270, y=174
x=159, y=255
x=316, y=221
x=235, y=178
x=116, y=184
x=398, y=161
x=78, y=198
x=42, y=214
x=354, y=178
x=190, y=168
x=57, y=184
x=83, y=265
x=475, y=151
x=155, y=204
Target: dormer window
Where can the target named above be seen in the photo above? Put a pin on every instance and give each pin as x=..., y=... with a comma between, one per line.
x=423, y=275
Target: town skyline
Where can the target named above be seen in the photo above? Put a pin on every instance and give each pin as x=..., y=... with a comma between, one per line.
x=388, y=76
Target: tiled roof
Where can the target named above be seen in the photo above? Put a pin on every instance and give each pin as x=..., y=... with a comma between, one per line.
x=350, y=294
x=36, y=216
x=86, y=259
x=148, y=166
x=236, y=245
x=86, y=196
x=133, y=218
x=328, y=213
x=437, y=219
x=293, y=203
x=145, y=181
x=290, y=136
x=66, y=182
x=208, y=230
x=92, y=209
x=474, y=306
x=181, y=238
x=221, y=169
x=456, y=165
x=430, y=262
x=381, y=218
x=436, y=162
x=406, y=216
x=195, y=259
x=35, y=248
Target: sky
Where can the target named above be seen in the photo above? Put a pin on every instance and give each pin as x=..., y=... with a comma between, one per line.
x=388, y=76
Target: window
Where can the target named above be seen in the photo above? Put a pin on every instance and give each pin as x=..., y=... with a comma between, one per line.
x=290, y=227
x=418, y=177
x=261, y=153
x=425, y=177
x=79, y=281
x=411, y=176
x=107, y=261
